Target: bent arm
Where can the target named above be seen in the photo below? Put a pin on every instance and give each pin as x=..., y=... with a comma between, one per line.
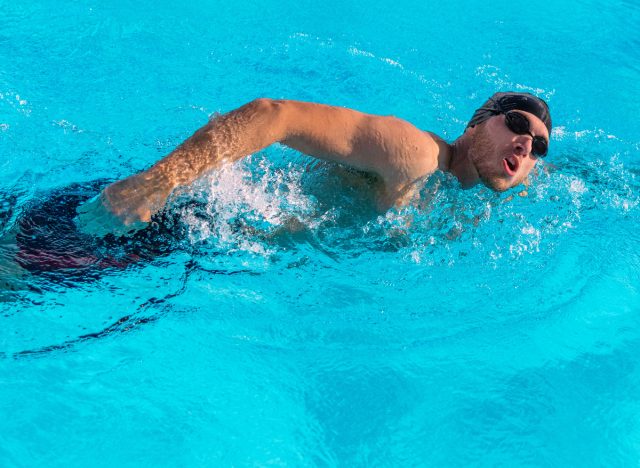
x=384, y=145
x=367, y=142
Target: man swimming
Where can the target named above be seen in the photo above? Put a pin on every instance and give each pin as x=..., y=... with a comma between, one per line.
x=499, y=147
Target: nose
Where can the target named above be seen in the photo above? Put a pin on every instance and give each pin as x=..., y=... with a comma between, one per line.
x=521, y=147
x=519, y=150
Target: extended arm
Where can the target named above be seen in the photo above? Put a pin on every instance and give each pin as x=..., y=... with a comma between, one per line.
x=387, y=146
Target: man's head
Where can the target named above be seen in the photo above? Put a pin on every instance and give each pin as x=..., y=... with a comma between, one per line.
x=506, y=136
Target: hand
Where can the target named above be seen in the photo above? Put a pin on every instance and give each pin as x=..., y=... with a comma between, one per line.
x=122, y=207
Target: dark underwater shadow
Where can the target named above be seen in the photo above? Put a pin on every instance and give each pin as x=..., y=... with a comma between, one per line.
x=45, y=243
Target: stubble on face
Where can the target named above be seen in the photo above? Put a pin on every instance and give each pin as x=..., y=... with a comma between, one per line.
x=484, y=155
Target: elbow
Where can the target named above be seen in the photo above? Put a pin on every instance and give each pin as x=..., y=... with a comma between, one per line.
x=261, y=104
x=272, y=112
x=267, y=106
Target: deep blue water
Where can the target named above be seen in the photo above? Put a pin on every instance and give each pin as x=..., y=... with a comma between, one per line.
x=467, y=329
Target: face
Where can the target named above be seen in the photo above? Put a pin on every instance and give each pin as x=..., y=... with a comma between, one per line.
x=502, y=158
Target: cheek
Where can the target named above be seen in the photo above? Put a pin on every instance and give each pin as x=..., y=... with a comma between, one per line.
x=483, y=146
x=525, y=169
x=527, y=165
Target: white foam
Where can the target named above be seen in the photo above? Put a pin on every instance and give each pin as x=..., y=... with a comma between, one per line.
x=499, y=80
x=392, y=62
x=355, y=51
x=239, y=204
x=558, y=133
x=577, y=186
x=16, y=101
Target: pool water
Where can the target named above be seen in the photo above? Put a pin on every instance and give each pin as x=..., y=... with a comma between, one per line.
x=289, y=323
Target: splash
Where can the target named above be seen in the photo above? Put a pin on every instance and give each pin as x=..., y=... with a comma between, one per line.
x=16, y=101
x=240, y=205
x=248, y=207
x=499, y=80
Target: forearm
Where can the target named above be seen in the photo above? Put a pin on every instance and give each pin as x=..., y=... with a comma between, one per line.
x=226, y=138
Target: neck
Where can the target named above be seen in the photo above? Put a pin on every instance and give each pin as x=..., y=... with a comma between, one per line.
x=456, y=159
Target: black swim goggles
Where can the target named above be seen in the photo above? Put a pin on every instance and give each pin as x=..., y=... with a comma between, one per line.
x=519, y=124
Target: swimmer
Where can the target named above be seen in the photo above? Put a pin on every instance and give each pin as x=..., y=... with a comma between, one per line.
x=499, y=147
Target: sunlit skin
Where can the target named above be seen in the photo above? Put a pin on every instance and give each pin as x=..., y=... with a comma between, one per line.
x=501, y=158
x=400, y=154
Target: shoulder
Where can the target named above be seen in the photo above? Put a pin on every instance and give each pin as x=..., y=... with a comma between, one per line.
x=410, y=153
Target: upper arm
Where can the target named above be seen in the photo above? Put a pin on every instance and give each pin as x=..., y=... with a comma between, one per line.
x=390, y=147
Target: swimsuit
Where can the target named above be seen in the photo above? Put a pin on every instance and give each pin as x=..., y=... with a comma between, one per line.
x=48, y=239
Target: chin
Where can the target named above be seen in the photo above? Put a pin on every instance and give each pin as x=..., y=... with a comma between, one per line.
x=497, y=184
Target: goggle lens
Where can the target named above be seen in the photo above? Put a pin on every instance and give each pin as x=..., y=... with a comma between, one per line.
x=519, y=124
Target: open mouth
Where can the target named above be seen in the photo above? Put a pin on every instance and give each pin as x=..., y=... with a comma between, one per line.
x=511, y=165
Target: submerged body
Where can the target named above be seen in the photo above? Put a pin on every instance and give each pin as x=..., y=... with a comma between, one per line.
x=45, y=239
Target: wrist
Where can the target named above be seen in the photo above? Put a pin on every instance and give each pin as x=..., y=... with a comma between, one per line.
x=155, y=180
x=145, y=193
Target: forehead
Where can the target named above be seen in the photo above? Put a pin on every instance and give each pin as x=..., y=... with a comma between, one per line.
x=536, y=125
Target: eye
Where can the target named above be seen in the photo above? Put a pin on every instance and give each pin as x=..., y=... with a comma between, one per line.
x=539, y=146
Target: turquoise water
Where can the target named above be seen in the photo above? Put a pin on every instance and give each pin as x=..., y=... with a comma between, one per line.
x=468, y=329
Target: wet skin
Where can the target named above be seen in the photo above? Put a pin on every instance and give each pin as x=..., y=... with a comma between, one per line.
x=394, y=150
